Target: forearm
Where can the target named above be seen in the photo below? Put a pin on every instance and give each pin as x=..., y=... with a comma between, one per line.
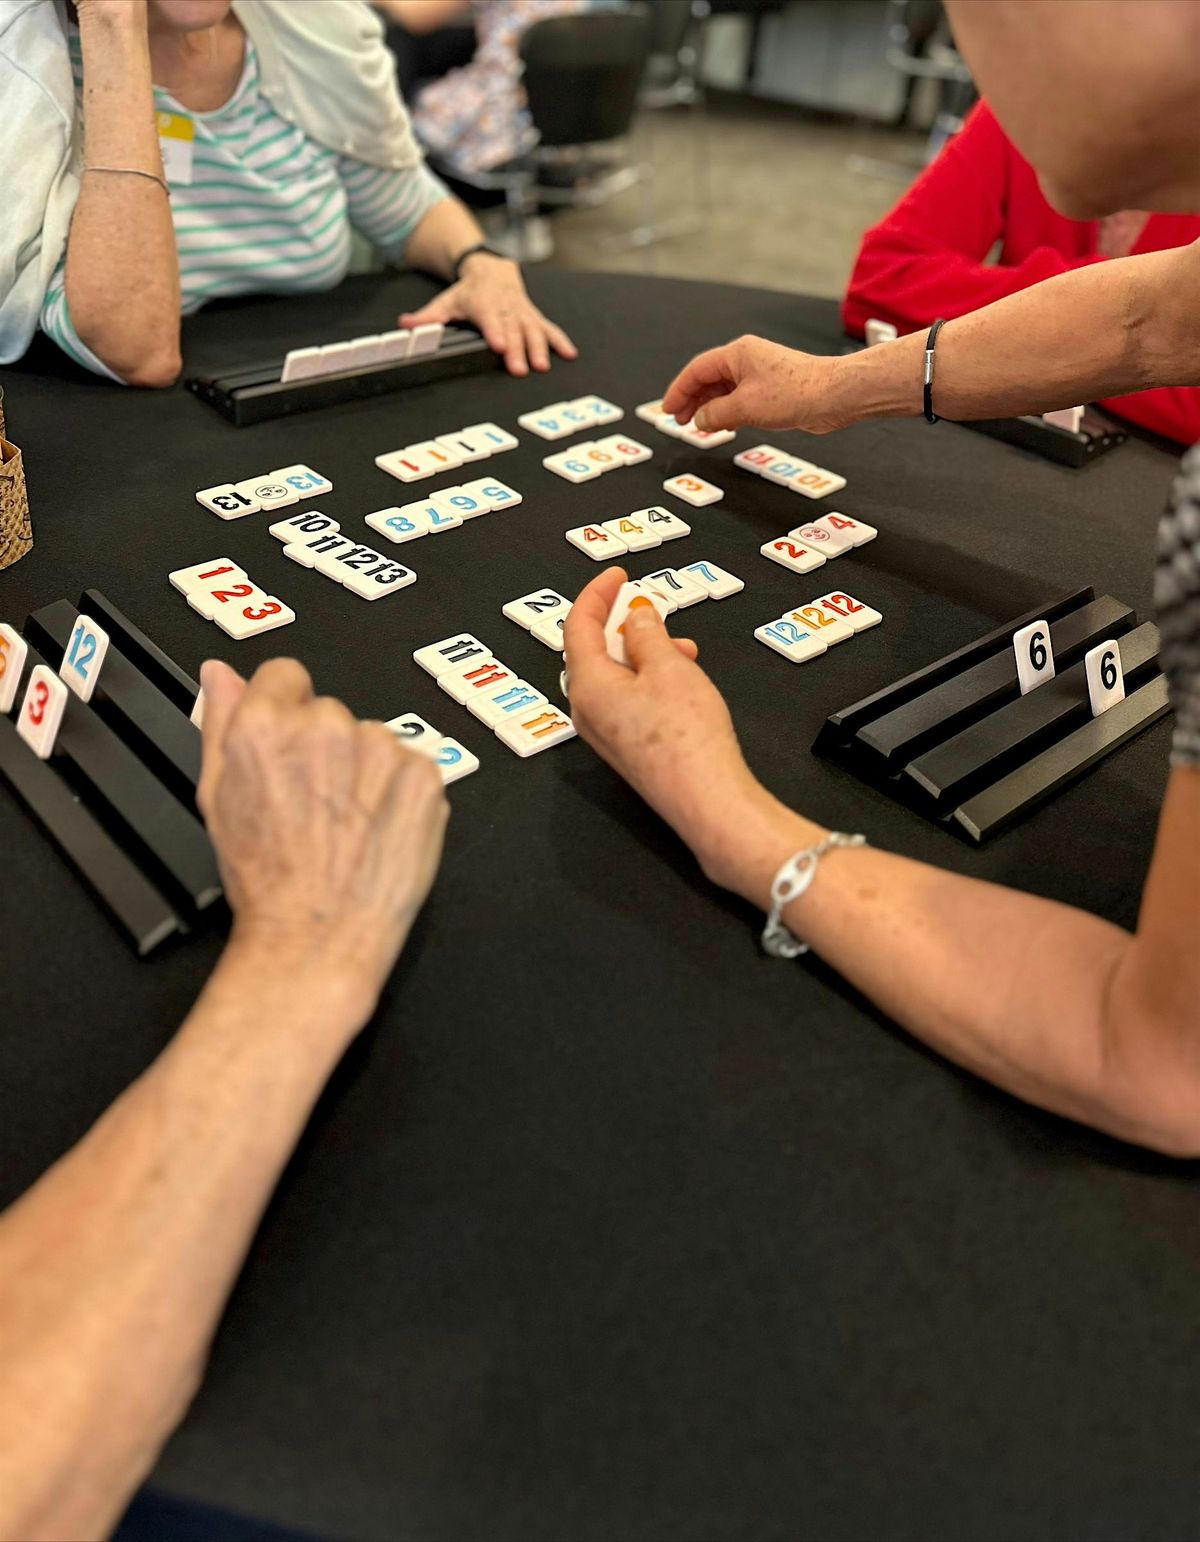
x=1098, y=331
x=124, y=1252
x=1053, y=1004
x=445, y=232
x=122, y=271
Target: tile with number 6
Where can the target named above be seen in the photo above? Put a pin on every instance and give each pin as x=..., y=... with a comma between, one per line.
x=83, y=657
x=1105, y=677
x=1034, y=655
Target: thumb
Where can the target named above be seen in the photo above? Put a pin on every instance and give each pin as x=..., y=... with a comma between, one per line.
x=647, y=641
x=440, y=308
x=722, y=412
x=223, y=689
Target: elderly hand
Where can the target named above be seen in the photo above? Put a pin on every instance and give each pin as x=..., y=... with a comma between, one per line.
x=751, y=382
x=491, y=296
x=660, y=722
x=328, y=832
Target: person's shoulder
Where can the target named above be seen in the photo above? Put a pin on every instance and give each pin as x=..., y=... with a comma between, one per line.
x=33, y=51
x=348, y=26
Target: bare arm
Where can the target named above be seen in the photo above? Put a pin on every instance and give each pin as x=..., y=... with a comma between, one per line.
x=122, y=275
x=1098, y=331
x=1051, y=1003
x=422, y=16
x=124, y=1252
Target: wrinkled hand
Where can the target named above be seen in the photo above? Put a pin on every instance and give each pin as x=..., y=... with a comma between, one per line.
x=660, y=723
x=491, y=296
x=328, y=832
x=751, y=382
x=121, y=13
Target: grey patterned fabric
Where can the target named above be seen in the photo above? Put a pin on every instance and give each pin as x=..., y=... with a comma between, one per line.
x=1177, y=599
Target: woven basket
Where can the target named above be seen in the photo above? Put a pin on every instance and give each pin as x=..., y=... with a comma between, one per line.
x=16, y=533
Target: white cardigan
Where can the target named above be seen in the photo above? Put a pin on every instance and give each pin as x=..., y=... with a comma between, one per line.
x=323, y=65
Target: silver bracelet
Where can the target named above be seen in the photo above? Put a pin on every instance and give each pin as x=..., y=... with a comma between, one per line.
x=792, y=879
x=132, y=171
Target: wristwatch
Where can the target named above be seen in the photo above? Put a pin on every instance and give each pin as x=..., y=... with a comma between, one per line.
x=471, y=251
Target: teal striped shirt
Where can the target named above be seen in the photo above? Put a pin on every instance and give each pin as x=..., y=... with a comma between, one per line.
x=267, y=210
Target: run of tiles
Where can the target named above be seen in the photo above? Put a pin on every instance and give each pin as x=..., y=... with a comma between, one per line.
x=449, y=507
x=521, y=716
x=697, y=438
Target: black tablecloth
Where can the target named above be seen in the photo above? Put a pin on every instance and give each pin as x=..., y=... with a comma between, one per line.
x=609, y=1227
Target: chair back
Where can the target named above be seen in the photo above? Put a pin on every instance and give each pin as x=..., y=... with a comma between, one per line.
x=582, y=73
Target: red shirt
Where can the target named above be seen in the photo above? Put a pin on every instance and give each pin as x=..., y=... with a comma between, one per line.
x=926, y=258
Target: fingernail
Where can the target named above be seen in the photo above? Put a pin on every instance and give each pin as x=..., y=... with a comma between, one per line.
x=700, y=419
x=641, y=612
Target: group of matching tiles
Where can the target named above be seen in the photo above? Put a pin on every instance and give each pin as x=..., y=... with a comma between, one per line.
x=809, y=630
x=521, y=716
x=586, y=461
x=361, y=352
x=432, y=457
x=798, y=476
x=697, y=438
x=234, y=500
x=45, y=700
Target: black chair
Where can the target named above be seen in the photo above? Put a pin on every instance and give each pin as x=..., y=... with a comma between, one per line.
x=581, y=76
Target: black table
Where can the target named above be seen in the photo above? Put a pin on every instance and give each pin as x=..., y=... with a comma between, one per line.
x=610, y=1227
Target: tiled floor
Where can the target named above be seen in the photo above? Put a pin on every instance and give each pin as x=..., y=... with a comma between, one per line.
x=790, y=197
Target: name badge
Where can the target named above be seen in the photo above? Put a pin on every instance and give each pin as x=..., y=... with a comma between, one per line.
x=176, y=140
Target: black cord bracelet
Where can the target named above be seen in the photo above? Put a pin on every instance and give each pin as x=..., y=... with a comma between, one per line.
x=930, y=345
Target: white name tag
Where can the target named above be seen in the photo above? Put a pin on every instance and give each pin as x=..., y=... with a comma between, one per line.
x=176, y=140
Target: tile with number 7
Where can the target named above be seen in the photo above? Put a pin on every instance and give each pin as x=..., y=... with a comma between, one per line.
x=629, y=596
x=861, y=617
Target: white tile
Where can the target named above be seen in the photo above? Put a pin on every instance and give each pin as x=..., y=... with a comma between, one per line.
x=877, y=332
x=657, y=591
x=306, y=552
x=1105, y=676
x=716, y=581
x=415, y=733
x=549, y=631
x=303, y=480
x=598, y=455
x=300, y=364
x=454, y=761
x=463, y=446
x=336, y=358
x=597, y=543
x=476, y=677
x=296, y=526
x=397, y=525
x=201, y=574
x=627, y=596
x=1070, y=418
x=795, y=643
x=693, y=490
x=496, y=438
x=495, y=494
x=665, y=525
x=597, y=410
x=571, y=466
x=529, y=735
x=451, y=653
x=224, y=594
x=196, y=715
x=13, y=652
x=394, y=346
x=267, y=493
x=637, y=534
x=413, y=463
x=677, y=585
x=226, y=502
x=785, y=469
x=757, y=458
x=819, y=538
x=83, y=657
x=706, y=438
x=861, y=617
x=564, y=685
x=432, y=513
x=263, y=615
x=453, y=503
x=816, y=482
x=790, y=554
x=42, y=710
x=530, y=608
x=444, y=456
x=511, y=699
x=426, y=338
x=382, y=578
x=630, y=452
x=821, y=622
x=856, y=531
x=650, y=412
x=1034, y=654
x=364, y=351
x=670, y=425
x=546, y=422
x=338, y=562
x=574, y=418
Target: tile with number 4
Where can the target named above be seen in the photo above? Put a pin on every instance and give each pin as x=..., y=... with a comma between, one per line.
x=13, y=651
x=693, y=490
x=861, y=617
x=532, y=733
x=856, y=531
x=795, y=643
x=42, y=710
x=791, y=554
x=84, y=657
x=597, y=543
x=665, y=525
x=637, y=534
x=717, y=583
